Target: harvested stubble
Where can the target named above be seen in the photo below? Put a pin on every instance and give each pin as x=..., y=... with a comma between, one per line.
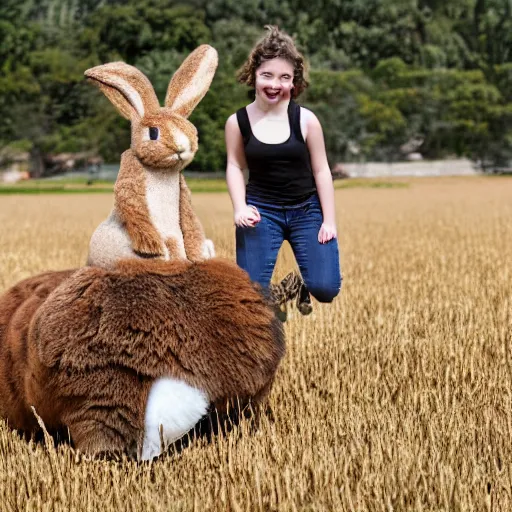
x=395, y=397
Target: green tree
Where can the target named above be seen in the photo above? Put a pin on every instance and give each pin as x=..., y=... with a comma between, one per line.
x=383, y=71
x=133, y=29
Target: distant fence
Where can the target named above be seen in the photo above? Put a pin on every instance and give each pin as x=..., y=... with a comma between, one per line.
x=456, y=167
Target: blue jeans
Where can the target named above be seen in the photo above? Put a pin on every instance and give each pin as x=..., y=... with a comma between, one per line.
x=257, y=247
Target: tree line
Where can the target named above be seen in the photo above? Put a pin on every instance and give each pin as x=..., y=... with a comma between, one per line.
x=386, y=76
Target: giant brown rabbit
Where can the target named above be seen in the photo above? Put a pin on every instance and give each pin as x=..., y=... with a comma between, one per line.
x=124, y=358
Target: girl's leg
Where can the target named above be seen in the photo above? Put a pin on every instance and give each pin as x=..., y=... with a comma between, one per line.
x=257, y=247
x=319, y=263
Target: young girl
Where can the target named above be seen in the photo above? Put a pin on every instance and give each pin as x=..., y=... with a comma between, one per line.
x=290, y=194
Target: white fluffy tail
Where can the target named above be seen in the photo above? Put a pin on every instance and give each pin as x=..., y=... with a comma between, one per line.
x=173, y=408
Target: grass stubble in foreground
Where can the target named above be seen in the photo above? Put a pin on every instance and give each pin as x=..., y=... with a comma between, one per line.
x=395, y=397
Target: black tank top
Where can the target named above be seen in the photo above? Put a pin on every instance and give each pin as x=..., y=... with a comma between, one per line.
x=278, y=173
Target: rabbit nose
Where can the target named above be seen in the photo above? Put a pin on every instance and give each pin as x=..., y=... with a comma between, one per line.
x=180, y=149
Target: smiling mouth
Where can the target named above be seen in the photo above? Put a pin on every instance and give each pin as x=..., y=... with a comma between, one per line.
x=271, y=94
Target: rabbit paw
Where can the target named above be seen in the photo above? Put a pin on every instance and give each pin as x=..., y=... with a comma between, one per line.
x=208, y=249
x=148, y=247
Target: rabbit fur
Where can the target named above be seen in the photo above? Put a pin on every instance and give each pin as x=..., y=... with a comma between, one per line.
x=152, y=215
x=90, y=350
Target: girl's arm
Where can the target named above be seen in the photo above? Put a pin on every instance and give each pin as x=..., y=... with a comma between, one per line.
x=322, y=173
x=243, y=214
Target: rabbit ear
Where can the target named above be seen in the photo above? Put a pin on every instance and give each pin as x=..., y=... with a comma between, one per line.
x=126, y=87
x=192, y=80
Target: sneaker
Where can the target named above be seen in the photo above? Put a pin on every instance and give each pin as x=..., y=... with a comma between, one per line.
x=304, y=300
x=281, y=314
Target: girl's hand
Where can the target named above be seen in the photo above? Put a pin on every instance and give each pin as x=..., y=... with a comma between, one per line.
x=248, y=216
x=327, y=232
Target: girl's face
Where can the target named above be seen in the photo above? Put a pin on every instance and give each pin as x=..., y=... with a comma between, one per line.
x=274, y=80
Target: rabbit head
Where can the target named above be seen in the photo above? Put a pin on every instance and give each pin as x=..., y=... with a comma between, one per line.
x=162, y=137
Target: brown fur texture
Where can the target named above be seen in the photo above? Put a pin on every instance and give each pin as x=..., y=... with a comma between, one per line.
x=17, y=307
x=120, y=82
x=131, y=205
x=148, y=212
x=193, y=235
x=84, y=347
x=185, y=91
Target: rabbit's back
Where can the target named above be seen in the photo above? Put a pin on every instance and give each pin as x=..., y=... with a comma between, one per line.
x=99, y=352
x=204, y=323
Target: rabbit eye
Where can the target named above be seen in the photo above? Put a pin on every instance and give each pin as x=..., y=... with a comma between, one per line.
x=153, y=133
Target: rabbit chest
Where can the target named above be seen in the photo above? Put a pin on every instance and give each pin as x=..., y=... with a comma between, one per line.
x=163, y=200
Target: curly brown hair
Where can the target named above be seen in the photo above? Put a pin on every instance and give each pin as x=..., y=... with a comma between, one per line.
x=275, y=44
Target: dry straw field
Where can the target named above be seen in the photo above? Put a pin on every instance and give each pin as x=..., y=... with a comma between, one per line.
x=398, y=396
